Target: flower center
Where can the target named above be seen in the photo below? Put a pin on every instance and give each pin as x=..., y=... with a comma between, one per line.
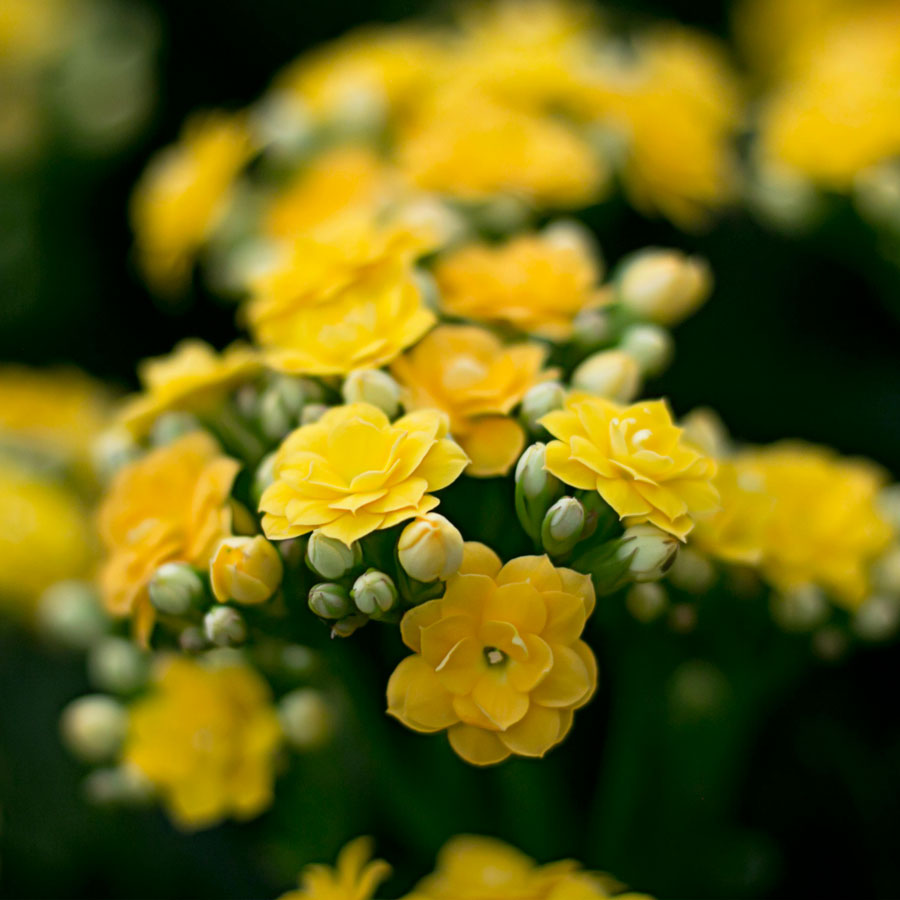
x=494, y=657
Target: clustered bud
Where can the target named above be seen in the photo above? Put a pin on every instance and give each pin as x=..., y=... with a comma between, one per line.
x=430, y=548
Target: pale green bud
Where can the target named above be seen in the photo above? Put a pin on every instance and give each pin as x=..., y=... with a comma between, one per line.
x=93, y=727
x=570, y=234
x=263, y=476
x=298, y=661
x=877, y=619
x=662, y=286
x=647, y=601
x=650, y=346
x=563, y=526
x=889, y=505
x=224, y=626
x=307, y=719
x=69, y=613
x=886, y=573
x=118, y=786
x=283, y=124
x=343, y=628
x=876, y=194
x=192, y=639
x=540, y=400
x=375, y=387
x=536, y=489
x=650, y=551
x=113, y=449
x=430, y=548
x=706, y=431
x=330, y=601
x=116, y=665
x=610, y=373
x=175, y=589
x=784, y=198
x=374, y=593
x=312, y=412
x=800, y=610
x=692, y=572
x=280, y=406
x=331, y=558
x=172, y=425
x=592, y=327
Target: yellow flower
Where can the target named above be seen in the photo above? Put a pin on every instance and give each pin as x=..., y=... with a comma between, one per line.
x=354, y=472
x=825, y=528
x=468, y=145
x=32, y=30
x=498, y=659
x=247, y=570
x=206, y=738
x=355, y=877
x=635, y=458
x=532, y=282
x=169, y=506
x=468, y=374
x=480, y=868
x=192, y=377
x=344, y=299
x=184, y=193
x=45, y=536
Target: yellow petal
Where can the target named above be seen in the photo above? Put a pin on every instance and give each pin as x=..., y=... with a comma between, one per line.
x=493, y=444
x=568, y=682
x=535, y=734
x=499, y=700
x=475, y=746
x=479, y=559
x=417, y=698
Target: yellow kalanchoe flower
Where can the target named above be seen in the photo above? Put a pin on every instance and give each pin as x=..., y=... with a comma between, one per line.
x=533, y=282
x=635, y=458
x=497, y=660
x=355, y=877
x=192, y=377
x=354, y=472
x=247, y=570
x=467, y=373
x=169, y=506
x=206, y=737
x=184, y=193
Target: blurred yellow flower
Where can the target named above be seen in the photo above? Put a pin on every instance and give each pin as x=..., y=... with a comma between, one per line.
x=206, y=738
x=534, y=282
x=184, y=193
x=46, y=535
x=825, y=528
x=497, y=660
x=355, y=877
x=354, y=472
x=192, y=377
x=247, y=570
x=470, y=375
x=635, y=458
x=169, y=506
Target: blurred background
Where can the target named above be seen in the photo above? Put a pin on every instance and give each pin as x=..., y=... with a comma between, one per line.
x=799, y=340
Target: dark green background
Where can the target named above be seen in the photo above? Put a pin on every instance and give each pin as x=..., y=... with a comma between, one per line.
x=799, y=340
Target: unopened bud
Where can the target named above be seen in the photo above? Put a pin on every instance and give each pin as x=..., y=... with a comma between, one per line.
x=280, y=406
x=536, y=489
x=332, y=558
x=650, y=346
x=570, y=234
x=343, y=628
x=93, y=727
x=263, y=477
x=113, y=449
x=224, y=626
x=306, y=719
x=172, y=425
x=876, y=194
x=877, y=619
x=312, y=412
x=610, y=373
x=801, y=609
x=375, y=387
x=374, y=593
x=175, y=589
x=662, y=286
x=706, y=431
x=430, y=547
x=69, y=613
x=540, y=400
x=563, y=526
x=889, y=505
x=592, y=327
x=116, y=665
x=647, y=601
x=330, y=601
x=118, y=786
x=192, y=639
x=886, y=573
x=784, y=198
x=247, y=570
x=692, y=572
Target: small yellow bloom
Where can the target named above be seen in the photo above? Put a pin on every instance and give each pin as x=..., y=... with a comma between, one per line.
x=353, y=472
x=169, y=506
x=497, y=660
x=247, y=570
x=206, y=738
x=532, y=282
x=355, y=877
x=430, y=547
x=635, y=458
x=184, y=193
x=467, y=373
x=192, y=377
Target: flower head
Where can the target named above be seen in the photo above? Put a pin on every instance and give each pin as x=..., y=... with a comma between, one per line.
x=193, y=377
x=184, y=193
x=470, y=375
x=532, y=282
x=497, y=660
x=247, y=570
x=635, y=458
x=171, y=505
x=354, y=472
x=355, y=877
x=206, y=738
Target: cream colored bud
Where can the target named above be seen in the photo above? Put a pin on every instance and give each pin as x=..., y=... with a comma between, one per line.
x=650, y=551
x=876, y=194
x=646, y=602
x=541, y=399
x=877, y=619
x=570, y=234
x=692, y=572
x=800, y=610
x=306, y=719
x=886, y=573
x=118, y=786
x=330, y=601
x=93, y=727
x=889, y=505
x=247, y=570
x=312, y=412
x=784, y=198
x=651, y=346
x=117, y=665
x=374, y=593
x=70, y=613
x=430, y=547
x=375, y=387
x=706, y=431
x=331, y=558
x=224, y=626
x=610, y=373
x=592, y=327
x=663, y=286
x=176, y=588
